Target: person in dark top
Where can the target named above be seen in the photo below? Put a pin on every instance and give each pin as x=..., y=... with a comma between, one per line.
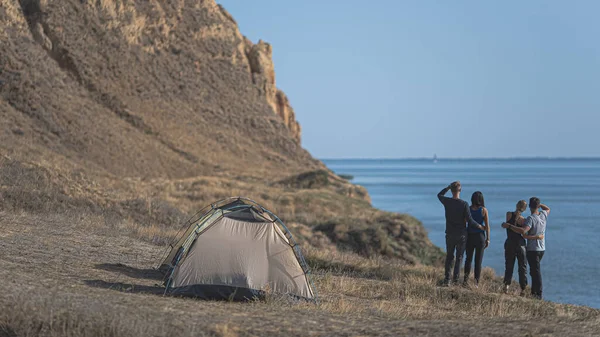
x=477, y=239
x=457, y=216
x=514, y=248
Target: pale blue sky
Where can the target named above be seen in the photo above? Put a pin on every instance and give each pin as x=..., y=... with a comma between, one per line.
x=395, y=79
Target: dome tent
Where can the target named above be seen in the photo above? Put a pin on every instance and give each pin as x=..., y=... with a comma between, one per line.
x=236, y=249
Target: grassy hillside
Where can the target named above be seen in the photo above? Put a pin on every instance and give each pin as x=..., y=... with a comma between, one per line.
x=140, y=89
x=67, y=275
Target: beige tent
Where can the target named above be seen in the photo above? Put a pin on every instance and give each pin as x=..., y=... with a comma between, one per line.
x=236, y=250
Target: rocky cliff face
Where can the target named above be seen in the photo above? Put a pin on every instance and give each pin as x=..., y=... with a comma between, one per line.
x=260, y=58
x=286, y=112
x=148, y=88
x=262, y=68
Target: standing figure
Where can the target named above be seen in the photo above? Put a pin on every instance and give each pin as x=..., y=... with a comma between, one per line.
x=478, y=239
x=457, y=216
x=515, y=248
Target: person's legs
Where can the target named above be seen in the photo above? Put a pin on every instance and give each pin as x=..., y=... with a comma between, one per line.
x=509, y=263
x=479, y=255
x=450, y=247
x=460, y=251
x=469, y=256
x=540, y=287
x=522, y=265
x=534, y=269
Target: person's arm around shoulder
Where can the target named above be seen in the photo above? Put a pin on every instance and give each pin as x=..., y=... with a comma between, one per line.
x=469, y=218
x=522, y=230
x=487, y=226
x=520, y=221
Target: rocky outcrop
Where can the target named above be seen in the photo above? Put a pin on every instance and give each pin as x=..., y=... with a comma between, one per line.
x=326, y=179
x=284, y=110
x=260, y=59
x=262, y=70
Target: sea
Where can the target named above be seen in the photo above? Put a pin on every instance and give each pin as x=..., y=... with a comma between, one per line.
x=570, y=187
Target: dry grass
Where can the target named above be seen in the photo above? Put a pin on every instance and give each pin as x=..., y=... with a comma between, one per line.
x=154, y=233
x=81, y=277
x=54, y=314
x=324, y=217
x=401, y=291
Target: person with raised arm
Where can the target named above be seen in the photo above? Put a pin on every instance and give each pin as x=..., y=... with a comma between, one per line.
x=534, y=231
x=457, y=216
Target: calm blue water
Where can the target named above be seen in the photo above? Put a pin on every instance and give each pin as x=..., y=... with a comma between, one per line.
x=571, y=188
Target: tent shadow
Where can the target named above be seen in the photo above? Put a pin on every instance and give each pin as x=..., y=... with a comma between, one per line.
x=125, y=287
x=6, y=331
x=150, y=274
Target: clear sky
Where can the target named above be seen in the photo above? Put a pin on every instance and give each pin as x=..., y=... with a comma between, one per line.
x=394, y=79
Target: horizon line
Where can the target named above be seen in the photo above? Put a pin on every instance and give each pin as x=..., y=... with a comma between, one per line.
x=468, y=158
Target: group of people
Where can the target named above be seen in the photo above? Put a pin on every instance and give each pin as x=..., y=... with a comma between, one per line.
x=468, y=230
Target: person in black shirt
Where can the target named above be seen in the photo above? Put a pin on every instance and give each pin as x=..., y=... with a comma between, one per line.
x=457, y=217
x=514, y=248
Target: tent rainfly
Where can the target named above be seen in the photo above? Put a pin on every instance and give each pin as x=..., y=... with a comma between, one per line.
x=236, y=249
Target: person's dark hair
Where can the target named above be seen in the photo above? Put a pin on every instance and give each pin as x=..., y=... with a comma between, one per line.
x=477, y=199
x=534, y=203
x=455, y=187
